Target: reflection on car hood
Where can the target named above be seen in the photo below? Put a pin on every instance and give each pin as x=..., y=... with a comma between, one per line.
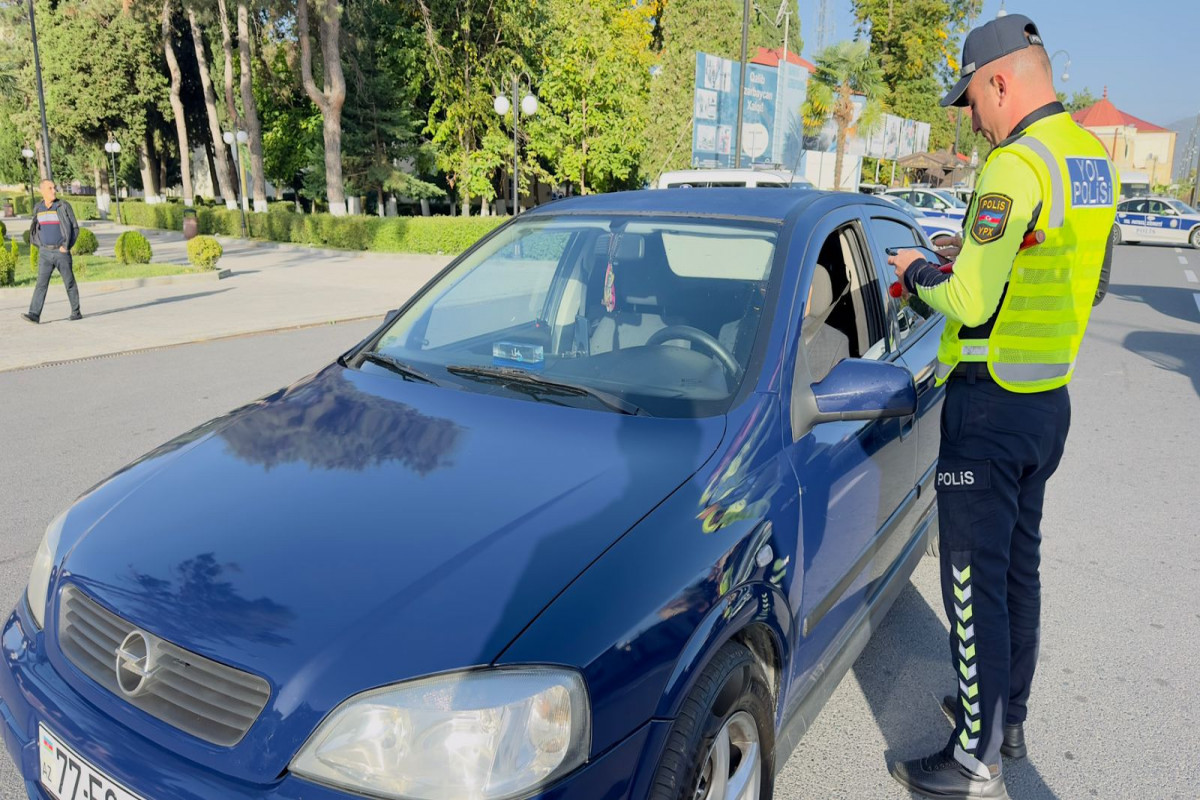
x=357, y=529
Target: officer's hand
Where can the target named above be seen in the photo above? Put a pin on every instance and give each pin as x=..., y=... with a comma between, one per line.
x=903, y=260
x=952, y=248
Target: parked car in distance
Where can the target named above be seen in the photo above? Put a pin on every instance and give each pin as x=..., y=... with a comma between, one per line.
x=730, y=179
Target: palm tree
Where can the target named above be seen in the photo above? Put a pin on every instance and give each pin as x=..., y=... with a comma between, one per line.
x=844, y=70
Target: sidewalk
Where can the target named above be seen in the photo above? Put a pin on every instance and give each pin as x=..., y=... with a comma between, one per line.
x=272, y=286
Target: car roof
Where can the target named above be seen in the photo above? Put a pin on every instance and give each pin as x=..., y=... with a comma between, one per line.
x=728, y=203
x=720, y=173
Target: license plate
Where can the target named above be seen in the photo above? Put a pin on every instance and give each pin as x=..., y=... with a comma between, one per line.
x=66, y=776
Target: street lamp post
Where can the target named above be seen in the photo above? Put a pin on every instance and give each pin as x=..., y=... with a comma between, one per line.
x=528, y=107
x=28, y=154
x=230, y=137
x=113, y=148
x=1066, y=74
x=37, y=69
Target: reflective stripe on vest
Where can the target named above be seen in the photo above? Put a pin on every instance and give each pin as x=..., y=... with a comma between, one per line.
x=1058, y=196
x=1022, y=373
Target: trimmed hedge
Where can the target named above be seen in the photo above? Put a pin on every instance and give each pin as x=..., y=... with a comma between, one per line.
x=3, y=232
x=446, y=235
x=85, y=244
x=20, y=202
x=133, y=248
x=8, y=266
x=204, y=252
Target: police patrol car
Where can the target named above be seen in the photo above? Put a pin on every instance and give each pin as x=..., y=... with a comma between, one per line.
x=939, y=230
x=935, y=203
x=1157, y=219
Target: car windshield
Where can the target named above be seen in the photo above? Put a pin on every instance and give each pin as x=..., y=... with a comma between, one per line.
x=950, y=198
x=1181, y=207
x=660, y=313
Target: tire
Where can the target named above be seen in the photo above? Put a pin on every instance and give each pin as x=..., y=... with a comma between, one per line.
x=1194, y=239
x=1116, y=235
x=729, y=708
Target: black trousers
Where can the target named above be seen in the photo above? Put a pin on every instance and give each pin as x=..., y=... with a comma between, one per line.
x=48, y=261
x=998, y=449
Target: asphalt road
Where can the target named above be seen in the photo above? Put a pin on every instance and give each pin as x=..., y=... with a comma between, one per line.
x=1115, y=708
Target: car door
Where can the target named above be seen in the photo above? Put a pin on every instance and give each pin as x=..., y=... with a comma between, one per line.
x=855, y=478
x=917, y=330
x=1170, y=226
x=1126, y=218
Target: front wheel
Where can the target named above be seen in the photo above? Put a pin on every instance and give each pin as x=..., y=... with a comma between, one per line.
x=1194, y=239
x=722, y=744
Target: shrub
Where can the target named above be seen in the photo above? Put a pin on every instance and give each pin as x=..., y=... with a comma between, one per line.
x=25, y=236
x=3, y=232
x=86, y=244
x=85, y=207
x=8, y=267
x=133, y=248
x=20, y=202
x=431, y=234
x=33, y=257
x=204, y=252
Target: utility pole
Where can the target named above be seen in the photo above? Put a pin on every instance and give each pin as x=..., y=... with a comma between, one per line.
x=37, y=68
x=737, y=134
x=823, y=31
x=1196, y=184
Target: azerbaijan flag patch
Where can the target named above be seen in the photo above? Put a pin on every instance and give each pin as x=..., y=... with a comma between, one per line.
x=991, y=218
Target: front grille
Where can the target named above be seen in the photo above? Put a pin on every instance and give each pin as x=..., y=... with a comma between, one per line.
x=204, y=698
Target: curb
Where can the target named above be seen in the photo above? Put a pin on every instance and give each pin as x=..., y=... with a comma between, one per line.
x=219, y=337
x=136, y=283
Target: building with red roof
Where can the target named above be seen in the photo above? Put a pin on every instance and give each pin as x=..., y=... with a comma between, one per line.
x=1142, y=151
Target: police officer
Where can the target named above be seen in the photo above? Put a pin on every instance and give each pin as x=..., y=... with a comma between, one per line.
x=1016, y=311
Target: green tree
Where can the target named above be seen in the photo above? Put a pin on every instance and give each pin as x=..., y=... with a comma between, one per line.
x=594, y=91
x=472, y=49
x=844, y=70
x=917, y=44
x=681, y=28
x=1079, y=100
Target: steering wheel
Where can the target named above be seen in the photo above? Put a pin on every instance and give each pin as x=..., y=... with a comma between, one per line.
x=699, y=337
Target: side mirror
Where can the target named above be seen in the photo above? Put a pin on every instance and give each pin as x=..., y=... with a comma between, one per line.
x=856, y=389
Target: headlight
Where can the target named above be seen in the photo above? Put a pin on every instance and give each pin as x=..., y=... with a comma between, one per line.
x=484, y=735
x=39, y=576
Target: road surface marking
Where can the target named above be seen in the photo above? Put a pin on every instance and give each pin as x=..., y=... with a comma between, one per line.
x=1178, y=249
x=1183, y=259
x=1191, y=276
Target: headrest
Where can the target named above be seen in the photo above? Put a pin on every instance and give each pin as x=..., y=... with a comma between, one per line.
x=821, y=294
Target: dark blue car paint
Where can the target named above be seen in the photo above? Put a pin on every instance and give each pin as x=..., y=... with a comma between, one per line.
x=630, y=548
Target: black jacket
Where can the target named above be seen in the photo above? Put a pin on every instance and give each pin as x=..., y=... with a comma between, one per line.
x=66, y=222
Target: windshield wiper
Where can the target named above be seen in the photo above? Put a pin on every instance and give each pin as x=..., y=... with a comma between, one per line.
x=397, y=366
x=519, y=378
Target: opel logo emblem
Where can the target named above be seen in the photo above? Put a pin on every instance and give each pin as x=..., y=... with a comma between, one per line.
x=136, y=664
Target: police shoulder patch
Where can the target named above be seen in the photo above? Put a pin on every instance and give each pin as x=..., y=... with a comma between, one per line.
x=991, y=217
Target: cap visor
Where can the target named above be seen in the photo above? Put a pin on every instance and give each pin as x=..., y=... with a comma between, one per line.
x=957, y=96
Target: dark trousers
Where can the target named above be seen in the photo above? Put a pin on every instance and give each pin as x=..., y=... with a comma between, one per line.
x=998, y=450
x=48, y=261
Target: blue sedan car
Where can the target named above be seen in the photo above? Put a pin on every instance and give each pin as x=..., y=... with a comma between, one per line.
x=606, y=510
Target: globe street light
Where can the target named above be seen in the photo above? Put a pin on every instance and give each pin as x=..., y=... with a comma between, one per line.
x=239, y=174
x=1002, y=12
x=1066, y=75
x=528, y=106
x=29, y=168
x=113, y=149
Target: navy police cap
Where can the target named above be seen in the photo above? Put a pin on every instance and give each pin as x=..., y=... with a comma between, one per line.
x=987, y=43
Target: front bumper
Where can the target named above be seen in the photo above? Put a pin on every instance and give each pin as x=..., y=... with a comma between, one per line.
x=31, y=691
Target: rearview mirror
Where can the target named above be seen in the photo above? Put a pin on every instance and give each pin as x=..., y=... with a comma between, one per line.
x=857, y=389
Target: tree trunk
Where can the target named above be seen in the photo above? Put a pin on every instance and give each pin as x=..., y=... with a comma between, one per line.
x=185, y=152
x=146, y=167
x=333, y=95
x=40, y=155
x=843, y=116
x=224, y=171
x=249, y=110
x=235, y=120
x=103, y=195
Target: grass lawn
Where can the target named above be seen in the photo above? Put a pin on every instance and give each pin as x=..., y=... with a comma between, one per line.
x=95, y=268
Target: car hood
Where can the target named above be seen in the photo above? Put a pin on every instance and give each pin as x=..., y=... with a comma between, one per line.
x=357, y=530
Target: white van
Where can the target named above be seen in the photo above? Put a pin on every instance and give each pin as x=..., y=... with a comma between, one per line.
x=760, y=178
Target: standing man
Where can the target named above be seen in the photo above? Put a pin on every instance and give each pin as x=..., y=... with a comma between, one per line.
x=1015, y=318
x=54, y=231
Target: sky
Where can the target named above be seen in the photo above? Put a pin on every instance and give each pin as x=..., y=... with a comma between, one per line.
x=1144, y=51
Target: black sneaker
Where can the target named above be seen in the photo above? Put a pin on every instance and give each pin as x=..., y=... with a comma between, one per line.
x=941, y=777
x=1013, y=745
x=30, y=318
x=76, y=316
